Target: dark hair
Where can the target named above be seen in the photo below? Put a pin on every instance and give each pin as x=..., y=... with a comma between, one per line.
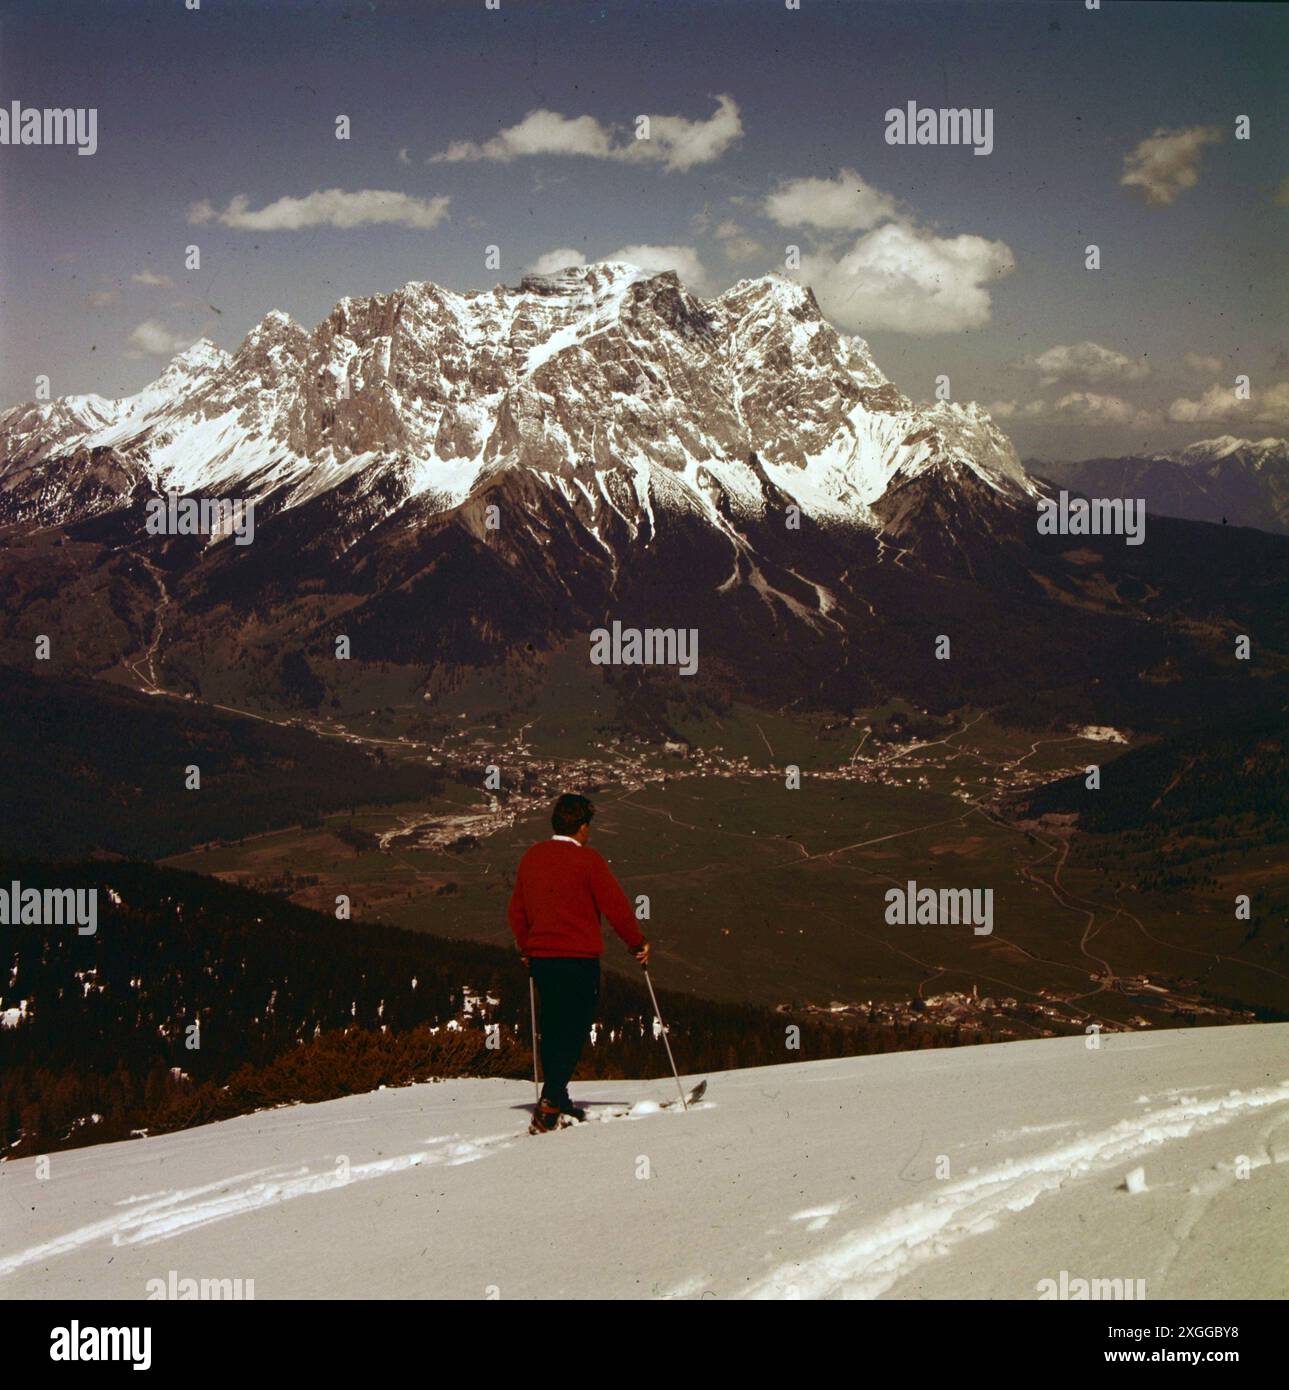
x=570, y=813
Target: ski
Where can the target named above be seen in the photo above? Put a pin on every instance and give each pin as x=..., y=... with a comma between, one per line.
x=692, y=1097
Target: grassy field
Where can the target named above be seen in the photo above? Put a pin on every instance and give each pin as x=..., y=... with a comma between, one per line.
x=761, y=893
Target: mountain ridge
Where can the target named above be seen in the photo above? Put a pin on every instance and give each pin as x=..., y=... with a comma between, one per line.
x=1226, y=480
x=456, y=482
x=602, y=365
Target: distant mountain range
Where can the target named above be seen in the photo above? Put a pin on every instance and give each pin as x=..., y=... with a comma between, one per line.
x=464, y=483
x=1240, y=482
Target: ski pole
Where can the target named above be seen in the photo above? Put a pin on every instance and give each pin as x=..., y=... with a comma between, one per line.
x=667, y=1041
x=532, y=1004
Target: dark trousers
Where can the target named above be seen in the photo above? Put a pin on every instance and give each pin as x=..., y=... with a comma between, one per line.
x=568, y=988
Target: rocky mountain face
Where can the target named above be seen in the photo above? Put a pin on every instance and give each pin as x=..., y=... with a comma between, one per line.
x=1241, y=482
x=607, y=385
x=461, y=483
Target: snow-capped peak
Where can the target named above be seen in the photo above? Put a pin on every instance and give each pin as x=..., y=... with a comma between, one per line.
x=1208, y=450
x=190, y=365
x=685, y=402
x=1224, y=446
x=577, y=280
x=202, y=355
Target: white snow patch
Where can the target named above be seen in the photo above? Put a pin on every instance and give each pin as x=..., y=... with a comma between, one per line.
x=1135, y=1182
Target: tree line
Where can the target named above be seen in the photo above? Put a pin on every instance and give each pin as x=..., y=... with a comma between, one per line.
x=287, y=1005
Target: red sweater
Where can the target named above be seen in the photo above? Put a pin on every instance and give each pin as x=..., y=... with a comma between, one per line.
x=560, y=890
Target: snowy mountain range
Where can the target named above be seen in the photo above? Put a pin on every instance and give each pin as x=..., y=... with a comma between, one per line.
x=1152, y=1167
x=458, y=481
x=1242, y=482
x=616, y=389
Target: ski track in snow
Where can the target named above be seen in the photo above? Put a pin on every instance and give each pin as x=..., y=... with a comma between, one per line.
x=863, y=1263
x=170, y=1214
x=870, y=1261
x=161, y=1215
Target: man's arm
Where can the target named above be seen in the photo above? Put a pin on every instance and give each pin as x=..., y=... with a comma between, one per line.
x=519, y=923
x=612, y=902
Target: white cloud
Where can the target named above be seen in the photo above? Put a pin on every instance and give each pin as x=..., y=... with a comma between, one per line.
x=902, y=277
x=682, y=144
x=684, y=260
x=152, y=338
x=744, y=248
x=1217, y=403
x=327, y=207
x=553, y=261
x=898, y=275
x=1220, y=405
x=540, y=132
x=104, y=299
x=737, y=243
x=1088, y=362
x=1271, y=406
x=1201, y=364
x=1089, y=407
x=403, y=156
x=843, y=204
x=1167, y=162
x=1076, y=407
x=674, y=141
x=148, y=277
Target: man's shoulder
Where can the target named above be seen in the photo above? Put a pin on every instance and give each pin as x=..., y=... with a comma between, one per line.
x=594, y=859
x=546, y=849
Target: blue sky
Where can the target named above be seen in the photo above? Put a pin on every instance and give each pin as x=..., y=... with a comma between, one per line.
x=947, y=262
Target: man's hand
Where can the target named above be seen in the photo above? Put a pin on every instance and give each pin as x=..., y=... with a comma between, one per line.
x=642, y=955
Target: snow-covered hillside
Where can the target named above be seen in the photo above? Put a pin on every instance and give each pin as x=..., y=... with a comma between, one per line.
x=966, y=1173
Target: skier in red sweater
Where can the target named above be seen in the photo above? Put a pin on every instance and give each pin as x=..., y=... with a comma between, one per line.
x=561, y=889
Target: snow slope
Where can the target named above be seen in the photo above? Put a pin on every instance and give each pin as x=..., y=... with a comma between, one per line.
x=812, y=1180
